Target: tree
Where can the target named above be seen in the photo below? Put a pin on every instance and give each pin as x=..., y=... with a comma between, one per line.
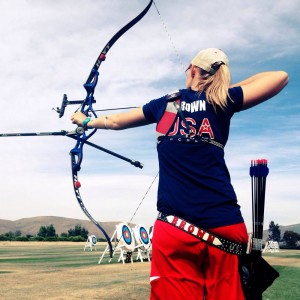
x=17, y=233
x=51, y=231
x=47, y=231
x=11, y=236
x=274, y=232
x=42, y=232
x=78, y=231
x=291, y=238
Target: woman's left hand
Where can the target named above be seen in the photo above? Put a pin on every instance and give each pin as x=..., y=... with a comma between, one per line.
x=78, y=118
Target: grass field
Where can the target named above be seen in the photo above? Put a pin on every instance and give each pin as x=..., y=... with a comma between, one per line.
x=64, y=271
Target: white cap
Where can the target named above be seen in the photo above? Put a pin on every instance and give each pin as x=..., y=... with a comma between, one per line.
x=206, y=58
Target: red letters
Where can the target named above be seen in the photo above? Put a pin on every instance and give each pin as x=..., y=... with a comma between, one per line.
x=182, y=224
x=191, y=228
x=175, y=220
x=200, y=233
x=206, y=128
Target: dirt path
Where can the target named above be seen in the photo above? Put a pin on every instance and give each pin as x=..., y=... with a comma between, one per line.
x=290, y=258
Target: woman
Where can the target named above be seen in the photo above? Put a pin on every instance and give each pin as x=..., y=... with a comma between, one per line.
x=195, y=193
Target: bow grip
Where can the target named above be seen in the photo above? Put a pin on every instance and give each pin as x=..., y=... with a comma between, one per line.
x=76, y=153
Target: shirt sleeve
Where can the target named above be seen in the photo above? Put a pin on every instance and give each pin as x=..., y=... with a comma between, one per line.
x=237, y=97
x=154, y=109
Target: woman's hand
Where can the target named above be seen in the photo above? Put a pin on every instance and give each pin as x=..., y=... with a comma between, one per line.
x=78, y=117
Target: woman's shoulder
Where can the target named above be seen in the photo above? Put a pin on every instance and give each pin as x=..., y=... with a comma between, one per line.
x=173, y=96
x=154, y=109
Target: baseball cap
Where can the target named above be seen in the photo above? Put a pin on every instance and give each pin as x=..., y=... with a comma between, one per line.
x=206, y=58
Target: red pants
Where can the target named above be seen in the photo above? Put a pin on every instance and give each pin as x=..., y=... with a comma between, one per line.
x=185, y=268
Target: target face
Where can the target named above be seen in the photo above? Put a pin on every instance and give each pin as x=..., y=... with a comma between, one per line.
x=144, y=236
x=126, y=234
x=93, y=240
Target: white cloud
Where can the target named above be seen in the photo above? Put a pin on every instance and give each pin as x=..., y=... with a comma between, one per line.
x=48, y=48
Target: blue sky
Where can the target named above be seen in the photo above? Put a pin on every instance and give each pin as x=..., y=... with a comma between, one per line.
x=48, y=48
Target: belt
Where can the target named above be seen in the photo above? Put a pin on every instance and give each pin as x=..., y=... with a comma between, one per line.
x=195, y=140
x=203, y=235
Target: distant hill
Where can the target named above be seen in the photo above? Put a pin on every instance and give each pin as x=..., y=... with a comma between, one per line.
x=283, y=229
x=32, y=225
x=295, y=228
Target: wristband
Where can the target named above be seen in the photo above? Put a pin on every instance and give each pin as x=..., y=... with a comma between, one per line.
x=85, y=121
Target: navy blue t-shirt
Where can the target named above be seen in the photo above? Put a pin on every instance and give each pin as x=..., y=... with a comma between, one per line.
x=194, y=182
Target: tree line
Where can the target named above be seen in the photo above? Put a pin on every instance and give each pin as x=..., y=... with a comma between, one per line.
x=48, y=233
x=289, y=240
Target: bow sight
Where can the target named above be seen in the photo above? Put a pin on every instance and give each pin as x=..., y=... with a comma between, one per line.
x=65, y=102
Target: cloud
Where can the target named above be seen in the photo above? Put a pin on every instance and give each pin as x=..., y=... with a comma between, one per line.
x=48, y=49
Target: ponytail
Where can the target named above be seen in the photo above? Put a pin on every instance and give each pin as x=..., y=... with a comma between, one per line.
x=216, y=86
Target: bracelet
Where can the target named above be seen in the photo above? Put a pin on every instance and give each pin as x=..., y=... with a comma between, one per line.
x=85, y=121
x=105, y=124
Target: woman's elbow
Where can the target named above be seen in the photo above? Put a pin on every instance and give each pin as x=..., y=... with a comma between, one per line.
x=284, y=78
x=115, y=125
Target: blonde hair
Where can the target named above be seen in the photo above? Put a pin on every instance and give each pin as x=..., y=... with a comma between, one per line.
x=216, y=86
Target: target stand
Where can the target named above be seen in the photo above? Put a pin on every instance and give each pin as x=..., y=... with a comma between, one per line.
x=143, y=240
x=91, y=243
x=125, y=244
x=150, y=233
x=271, y=246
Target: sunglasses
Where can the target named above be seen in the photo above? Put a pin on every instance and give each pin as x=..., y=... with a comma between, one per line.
x=188, y=68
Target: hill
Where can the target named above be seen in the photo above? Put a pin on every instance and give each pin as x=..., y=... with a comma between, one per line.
x=32, y=225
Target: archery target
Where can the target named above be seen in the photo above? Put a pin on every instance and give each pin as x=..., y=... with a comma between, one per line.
x=125, y=235
x=93, y=240
x=142, y=235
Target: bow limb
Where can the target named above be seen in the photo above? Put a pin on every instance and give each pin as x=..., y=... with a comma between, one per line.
x=107, y=47
x=76, y=186
x=87, y=108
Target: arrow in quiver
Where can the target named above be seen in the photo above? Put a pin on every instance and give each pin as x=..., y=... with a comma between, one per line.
x=256, y=274
x=258, y=171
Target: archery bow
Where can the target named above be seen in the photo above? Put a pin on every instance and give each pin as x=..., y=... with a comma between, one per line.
x=87, y=108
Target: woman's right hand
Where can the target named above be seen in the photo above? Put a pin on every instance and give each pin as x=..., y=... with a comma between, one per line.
x=78, y=118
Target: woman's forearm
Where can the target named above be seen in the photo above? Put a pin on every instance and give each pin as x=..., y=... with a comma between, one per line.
x=130, y=119
x=262, y=86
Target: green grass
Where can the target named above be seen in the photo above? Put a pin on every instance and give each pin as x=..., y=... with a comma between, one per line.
x=286, y=287
x=51, y=271
x=51, y=256
x=5, y=272
x=48, y=259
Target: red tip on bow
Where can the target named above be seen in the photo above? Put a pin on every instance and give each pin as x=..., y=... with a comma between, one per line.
x=77, y=184
x=102, y=57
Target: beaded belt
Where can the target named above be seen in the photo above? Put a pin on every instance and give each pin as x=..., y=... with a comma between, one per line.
x=196, y=139
x=203, y=235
